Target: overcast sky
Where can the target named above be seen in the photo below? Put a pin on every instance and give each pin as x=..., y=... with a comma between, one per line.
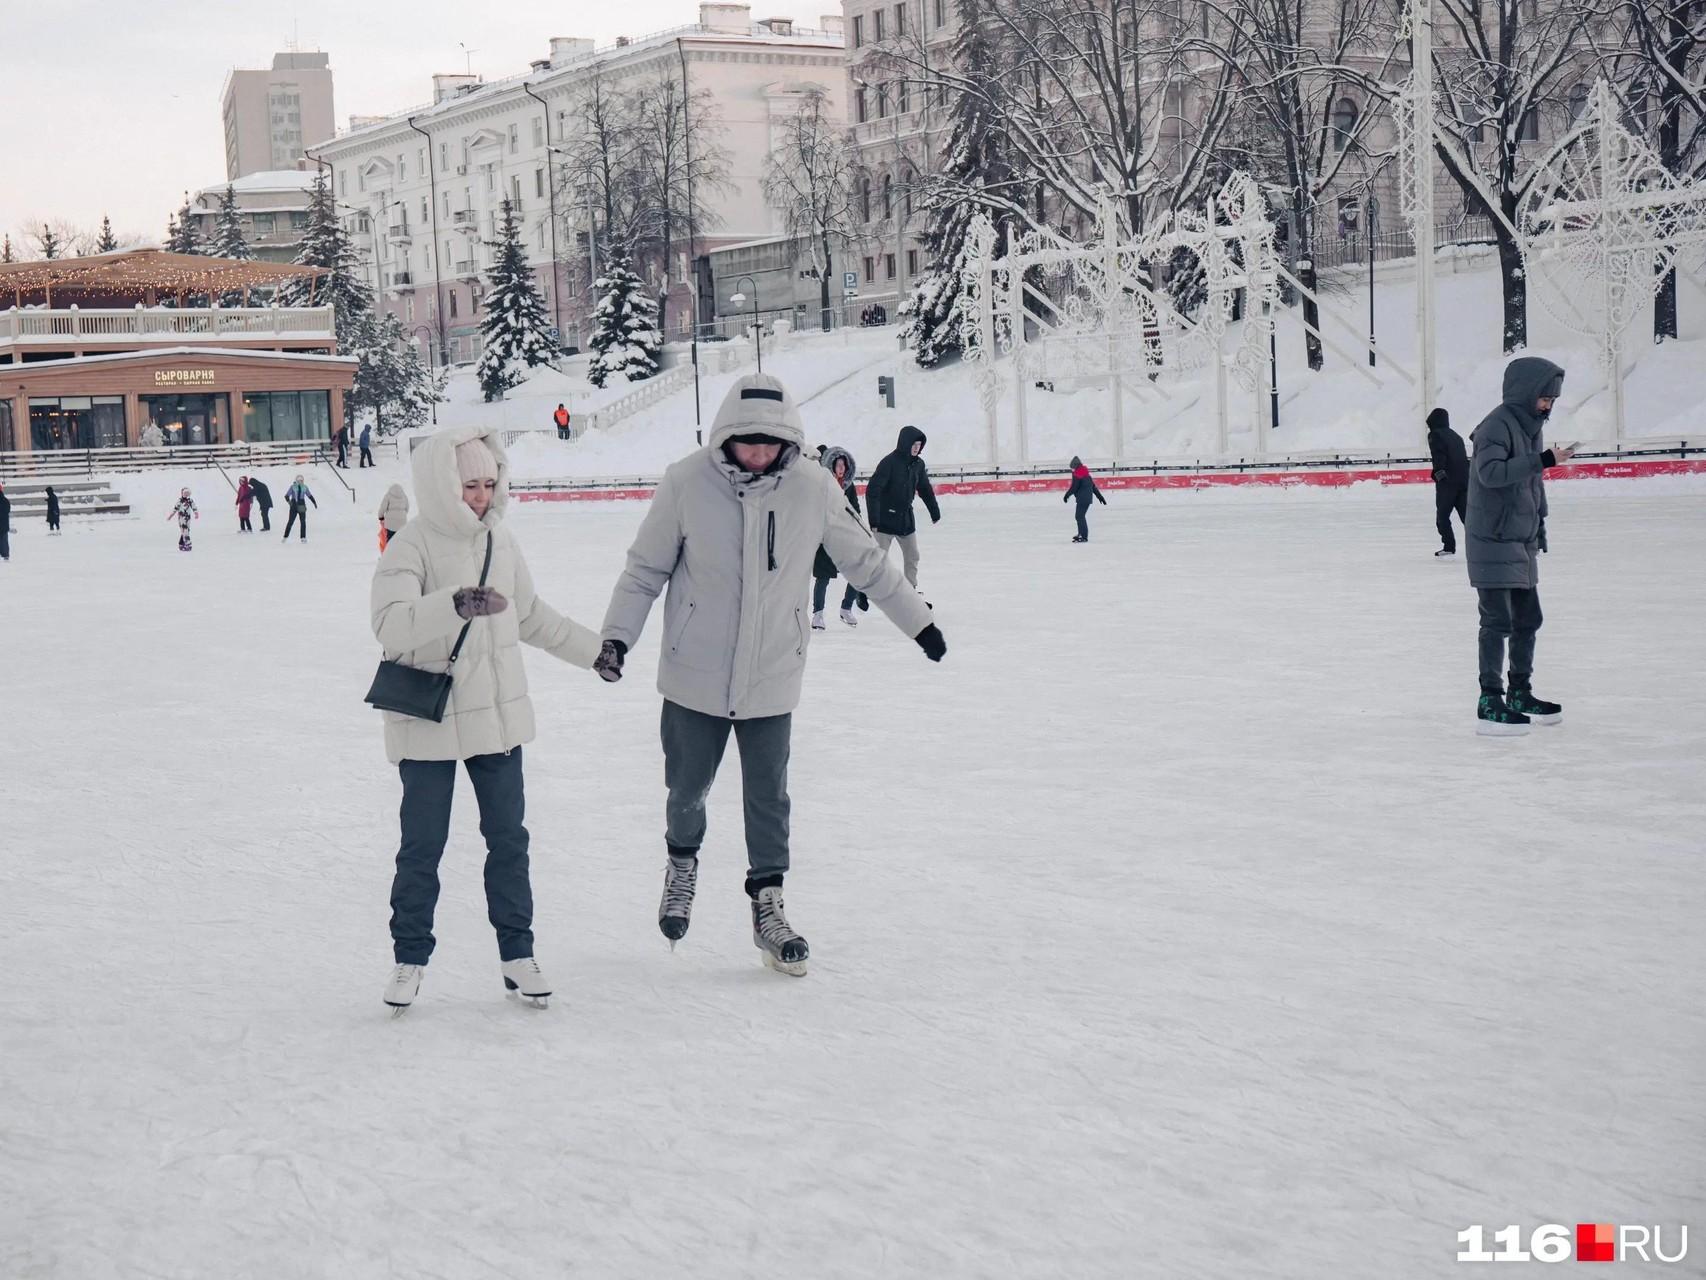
x=113, y=105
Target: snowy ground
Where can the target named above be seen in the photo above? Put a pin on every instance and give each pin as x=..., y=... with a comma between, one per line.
x=1344, y=407
x=1176, y=926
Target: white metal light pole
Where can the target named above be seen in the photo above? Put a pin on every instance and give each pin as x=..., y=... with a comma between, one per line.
x=1418, y=185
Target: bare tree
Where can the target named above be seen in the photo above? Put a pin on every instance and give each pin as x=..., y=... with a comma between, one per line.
x=58, y=237
x=1292, y=64
x=1659, y=53
x=1507, y=67
x=681, y=163
x=1092, y=96
x=810, y=179
x=601, y=166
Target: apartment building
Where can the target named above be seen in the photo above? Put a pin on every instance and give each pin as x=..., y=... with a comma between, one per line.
x=425, y=185
x=272, y=209
x=270, y=114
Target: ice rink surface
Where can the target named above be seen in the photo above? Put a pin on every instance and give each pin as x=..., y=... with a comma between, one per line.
x=1177, y=925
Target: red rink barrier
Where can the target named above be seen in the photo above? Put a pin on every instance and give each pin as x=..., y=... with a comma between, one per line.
x=1318, y=478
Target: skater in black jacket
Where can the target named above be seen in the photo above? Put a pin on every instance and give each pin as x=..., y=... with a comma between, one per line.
x=52, y=510
x=1451, y=478
x=1083, y=487
x=263, y=499
x=899, y=478
x=5, y=525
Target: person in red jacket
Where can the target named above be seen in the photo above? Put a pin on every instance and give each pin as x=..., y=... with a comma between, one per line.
x=561, y=418
x=1083, y=487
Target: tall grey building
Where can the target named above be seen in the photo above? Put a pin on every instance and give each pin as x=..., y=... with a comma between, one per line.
x=269, y=115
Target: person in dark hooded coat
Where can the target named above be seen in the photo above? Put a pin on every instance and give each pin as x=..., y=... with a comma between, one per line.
x=1451, y=478
x=1083, y=488
x=1505, y=534
x=899, y=478
x=52, y=510
x=840, y=464
x=5, y=524
x=263, y=499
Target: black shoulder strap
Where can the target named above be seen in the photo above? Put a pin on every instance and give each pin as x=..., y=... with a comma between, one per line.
x=484, y=570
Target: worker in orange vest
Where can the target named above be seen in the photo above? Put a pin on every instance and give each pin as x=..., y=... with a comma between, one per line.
x=561, y=417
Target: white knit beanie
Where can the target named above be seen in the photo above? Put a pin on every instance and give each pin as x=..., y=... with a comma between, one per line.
x=476, y=461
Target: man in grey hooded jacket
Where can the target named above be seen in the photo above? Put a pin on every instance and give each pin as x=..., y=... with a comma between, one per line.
x=1505, y=533
x=732, y=532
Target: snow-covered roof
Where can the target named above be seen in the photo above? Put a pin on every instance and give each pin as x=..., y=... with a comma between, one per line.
x=154, y=353
x=269, y=180
x=756, y=34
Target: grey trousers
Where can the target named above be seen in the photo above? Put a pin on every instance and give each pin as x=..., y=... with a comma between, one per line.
x=693, y=745
x=1511, y=614
x=908, y=551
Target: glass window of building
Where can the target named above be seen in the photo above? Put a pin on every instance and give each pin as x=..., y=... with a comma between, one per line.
x=286, y=415
x=514, y=139
x=263, y=225
x=861, y=111
x=888, y=265
x=77, y=422
x=190, y=419
x=858, y=31
x=877, y=26
x=900, y=19
x=8, y=440
x=538, y=131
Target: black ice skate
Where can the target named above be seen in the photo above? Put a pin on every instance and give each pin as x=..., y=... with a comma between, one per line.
x=1536, y=709
x=675, y=911
x=1496, y=720
x=1444, y=551
x=784, y=950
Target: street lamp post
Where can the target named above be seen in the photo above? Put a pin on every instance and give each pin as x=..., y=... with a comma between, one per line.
x=757, y=329
x=415, y=331
x=1373, y=227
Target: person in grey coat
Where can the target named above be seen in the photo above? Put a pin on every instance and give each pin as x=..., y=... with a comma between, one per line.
x=1505, y=534
x=732, y=532
x=841, y=465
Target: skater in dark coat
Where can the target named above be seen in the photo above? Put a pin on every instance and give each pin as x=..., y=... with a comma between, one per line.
x=366, y=442
x=1083, y=488
x=1505, y=534
x=5, y=525
x=263, y=499
x=342, y=442
x=1451, y=478
x=52, y=510
x=899, y=478
x=840, y=464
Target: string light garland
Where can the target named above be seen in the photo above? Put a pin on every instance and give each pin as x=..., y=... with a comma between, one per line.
x=141, y=271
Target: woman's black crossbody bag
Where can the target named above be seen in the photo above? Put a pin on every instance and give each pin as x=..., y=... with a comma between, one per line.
x=409, y=691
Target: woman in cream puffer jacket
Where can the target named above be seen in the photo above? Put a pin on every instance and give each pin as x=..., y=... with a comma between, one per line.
x=415, y=619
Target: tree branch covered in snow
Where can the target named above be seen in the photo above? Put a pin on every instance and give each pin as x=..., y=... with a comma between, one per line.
x=810, y=179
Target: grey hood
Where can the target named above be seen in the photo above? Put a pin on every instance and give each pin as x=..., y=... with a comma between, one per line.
x=1527, y=378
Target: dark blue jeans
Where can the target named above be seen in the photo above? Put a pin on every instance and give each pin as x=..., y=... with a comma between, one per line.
x=820, y=592
x=427, y=789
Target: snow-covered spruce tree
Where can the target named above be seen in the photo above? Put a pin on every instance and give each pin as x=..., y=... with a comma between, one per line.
x=108, y=241
x=181, y=233
x=625, y=333
x=228, y=241
x=326, y=244
x=515, y=330
x=391, y=381
x=978, y=158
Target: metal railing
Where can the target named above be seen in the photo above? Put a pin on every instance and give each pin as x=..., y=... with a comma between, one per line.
x=93, y=462
x=55, y=327
x=1352, y=248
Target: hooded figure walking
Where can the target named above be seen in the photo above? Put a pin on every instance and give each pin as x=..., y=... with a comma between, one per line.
x=1083, y=488
x=1505, y=534
x=5, y=524
x=457, y=569
x=1451, y=478
x=263, y=499
x=841, y=465
x=899, y=478
x=732, y=532
x=183, y=512
x=52, y=510
x=393, y=514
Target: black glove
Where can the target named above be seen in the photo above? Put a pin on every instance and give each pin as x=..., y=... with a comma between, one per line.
x=479, y=602
x=935, y=519
x=930, y=640
x=1067, y=496
x=1439, y=475
x=608, y=664
x=1543, y=535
